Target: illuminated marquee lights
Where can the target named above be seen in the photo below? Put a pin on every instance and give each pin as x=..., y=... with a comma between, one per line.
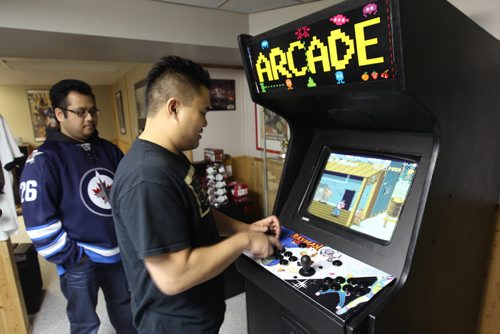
x=319, y=57
x=342, y=48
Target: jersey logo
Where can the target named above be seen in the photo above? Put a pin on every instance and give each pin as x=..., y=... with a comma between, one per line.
x=32, y=156
x=95, y=187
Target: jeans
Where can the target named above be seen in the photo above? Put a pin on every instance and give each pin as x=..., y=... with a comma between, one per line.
x=80, y=285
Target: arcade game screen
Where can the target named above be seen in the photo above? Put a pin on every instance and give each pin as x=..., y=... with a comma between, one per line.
x=363, y=193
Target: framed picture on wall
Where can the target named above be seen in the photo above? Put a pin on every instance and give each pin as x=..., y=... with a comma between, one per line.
x=222, y=95
x=120, y=112
x=41, y=113
x=274, y=127
x=140, y=104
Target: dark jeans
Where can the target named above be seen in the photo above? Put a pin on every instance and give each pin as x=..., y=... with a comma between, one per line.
x=80, y=284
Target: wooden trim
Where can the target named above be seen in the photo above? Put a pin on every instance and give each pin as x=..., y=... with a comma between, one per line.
x=13, y=315
x=489, y=322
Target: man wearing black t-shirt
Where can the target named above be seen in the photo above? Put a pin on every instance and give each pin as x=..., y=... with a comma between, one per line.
x=167, y=232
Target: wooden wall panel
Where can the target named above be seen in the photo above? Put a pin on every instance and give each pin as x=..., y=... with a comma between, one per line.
x=274, y=170
x=250, y=170
x=490, y=315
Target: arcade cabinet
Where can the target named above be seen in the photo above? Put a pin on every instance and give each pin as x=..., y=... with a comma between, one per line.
x=388, y=192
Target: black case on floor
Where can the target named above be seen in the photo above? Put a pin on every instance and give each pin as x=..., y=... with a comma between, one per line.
x=29, y=275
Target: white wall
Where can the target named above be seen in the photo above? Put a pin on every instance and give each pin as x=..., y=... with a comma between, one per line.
x=483, y=12
x=226, y=129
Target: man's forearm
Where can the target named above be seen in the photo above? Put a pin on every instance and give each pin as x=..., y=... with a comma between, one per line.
x=174, y=273
x=228, y=226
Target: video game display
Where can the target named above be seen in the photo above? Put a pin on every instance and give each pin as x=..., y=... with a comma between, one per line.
x=350, y=47
x=363, y=193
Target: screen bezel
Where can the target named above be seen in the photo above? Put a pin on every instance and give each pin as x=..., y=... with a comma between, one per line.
x=318, y=222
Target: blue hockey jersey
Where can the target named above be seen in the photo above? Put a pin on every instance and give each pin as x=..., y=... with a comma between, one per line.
x=64, y=191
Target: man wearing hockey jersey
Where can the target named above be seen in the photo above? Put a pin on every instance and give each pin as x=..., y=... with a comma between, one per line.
x=64, y=189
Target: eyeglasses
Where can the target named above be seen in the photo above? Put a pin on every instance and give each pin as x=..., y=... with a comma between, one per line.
x=82, y=113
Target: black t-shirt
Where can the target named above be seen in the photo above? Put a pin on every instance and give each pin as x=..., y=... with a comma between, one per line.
x=159, y=207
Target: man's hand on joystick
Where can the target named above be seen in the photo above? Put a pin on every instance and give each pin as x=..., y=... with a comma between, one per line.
x=260, y=245
x=269, y=225
x=264, y=237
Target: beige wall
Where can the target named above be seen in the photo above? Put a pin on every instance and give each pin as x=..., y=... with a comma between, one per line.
x=233, y=131
x=121, y=86
x=107, y=125
x=226, y=129
x=133, y=76
x=14, y=108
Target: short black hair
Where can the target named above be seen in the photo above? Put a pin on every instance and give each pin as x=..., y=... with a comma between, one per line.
x=173, y=76
x=59, y=92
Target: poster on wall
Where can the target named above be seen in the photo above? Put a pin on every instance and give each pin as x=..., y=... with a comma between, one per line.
x=140, y=104
x=41, y=113
x=119, y=111
x=222, y=95
x=273, y=127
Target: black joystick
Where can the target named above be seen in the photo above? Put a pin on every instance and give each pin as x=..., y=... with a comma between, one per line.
x=306, y=269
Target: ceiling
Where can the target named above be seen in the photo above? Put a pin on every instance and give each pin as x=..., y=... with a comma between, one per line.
x=239, y=6
x=42, y=69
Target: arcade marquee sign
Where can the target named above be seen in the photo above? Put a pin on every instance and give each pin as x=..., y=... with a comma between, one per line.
x=340, y=49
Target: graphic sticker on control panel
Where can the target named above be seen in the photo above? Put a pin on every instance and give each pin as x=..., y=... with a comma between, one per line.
x=336, y=281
